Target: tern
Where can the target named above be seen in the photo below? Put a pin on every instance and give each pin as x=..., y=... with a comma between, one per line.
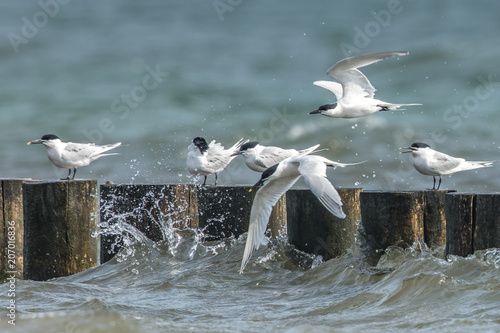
x=205, y=159
x=354, y=92
x=69, y=155
x=280, y=178
x=259, y=158
x=430, y=162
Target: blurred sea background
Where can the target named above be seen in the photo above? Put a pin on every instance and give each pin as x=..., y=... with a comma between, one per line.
x=156, y=74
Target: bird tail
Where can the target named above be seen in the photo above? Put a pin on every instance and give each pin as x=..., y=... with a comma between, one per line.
x=309, y=150
x=479, y=164
x=109, y=147
x=338, y=164
x=236, y=147
x=392, y=107
x=105, y=148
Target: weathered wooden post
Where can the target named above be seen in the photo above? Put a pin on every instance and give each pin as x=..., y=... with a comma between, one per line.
x=12, y=235
x=435, y=217
x=59, y=220
x=151, y=209
x=487, y=223
x=313, y=229
x=224, y=211
x=459, y=223
x=392, y=218
x=219, y=211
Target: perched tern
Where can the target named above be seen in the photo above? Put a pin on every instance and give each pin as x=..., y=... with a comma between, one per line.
x=259, y=158
x=430, y=162
x=280, y=178
x=354, y=92
x=69, y=155
x=205, y=159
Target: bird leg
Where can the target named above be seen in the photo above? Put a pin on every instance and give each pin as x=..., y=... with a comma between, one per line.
x=434, y=184
x=74, y=173
x=439, y=182
x=204, y=181
x=67, y=178
x=215, y=180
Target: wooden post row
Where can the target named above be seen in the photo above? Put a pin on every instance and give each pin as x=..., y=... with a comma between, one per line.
x=49, y=227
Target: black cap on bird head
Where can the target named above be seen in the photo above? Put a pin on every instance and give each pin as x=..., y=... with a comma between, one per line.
x=50, y=137
x=324, y=108
x=249, y=145
x=44, y=139
x=201, y=144
x=419, y=145
x=414, y=147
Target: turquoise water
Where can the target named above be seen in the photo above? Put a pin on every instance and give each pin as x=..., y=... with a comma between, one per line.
x=156, y=74
x=246, y=70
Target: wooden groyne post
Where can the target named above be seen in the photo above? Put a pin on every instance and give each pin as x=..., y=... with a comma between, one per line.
x=313, y=229
x=60, y=218
x=403, y=218
x=473, y=222
x=12, y=235
x=218, y=211
x=48, y=227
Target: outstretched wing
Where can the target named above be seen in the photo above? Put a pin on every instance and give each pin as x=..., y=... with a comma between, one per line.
x=313, y=169
x=353, y=81
x=265, y=198
x=334, y=87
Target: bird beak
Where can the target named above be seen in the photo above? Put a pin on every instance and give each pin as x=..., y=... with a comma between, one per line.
x=259, y=183
x=236, y=154
x=315, y=112
x=407, y=151
x=34, y=142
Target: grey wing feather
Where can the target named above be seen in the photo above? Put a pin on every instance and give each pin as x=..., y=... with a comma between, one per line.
x=445, y=162
x=265, y=198
x=326, y=193
x=346, y=72
x=273, y=155
x=313, y=169
x=334, y=87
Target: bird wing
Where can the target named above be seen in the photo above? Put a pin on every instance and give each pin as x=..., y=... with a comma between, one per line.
x=270, y=156
x=217, y=157
x=442, y=163
x=313, y=169
x=265, y=198
x=355, y=83
x=334, y=87
x=78, y=151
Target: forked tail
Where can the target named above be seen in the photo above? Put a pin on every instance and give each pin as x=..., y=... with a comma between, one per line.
x=393, y=107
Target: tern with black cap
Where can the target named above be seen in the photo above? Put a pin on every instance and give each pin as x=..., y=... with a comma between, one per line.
x=69, y=155
x=433, y=163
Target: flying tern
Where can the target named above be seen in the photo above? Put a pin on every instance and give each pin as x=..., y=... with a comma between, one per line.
x=430, y=162
x=69, y=155
x=278, y=179
x=353, y=91
x=205, y=159
x=259, y=158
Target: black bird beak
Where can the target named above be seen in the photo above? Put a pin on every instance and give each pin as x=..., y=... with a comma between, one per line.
x=407, y=151
x=34, y=142
x=258, y=184
x=315, y=112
